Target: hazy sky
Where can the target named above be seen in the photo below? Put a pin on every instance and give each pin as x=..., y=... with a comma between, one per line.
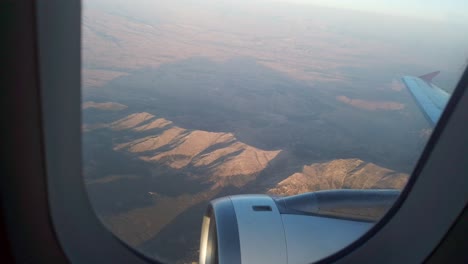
x=445, y=10
x=451, y=10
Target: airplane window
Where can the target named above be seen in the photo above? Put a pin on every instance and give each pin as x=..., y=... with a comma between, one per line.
x=317, y=111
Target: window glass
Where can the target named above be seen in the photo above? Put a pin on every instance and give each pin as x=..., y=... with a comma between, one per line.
x=187, y=101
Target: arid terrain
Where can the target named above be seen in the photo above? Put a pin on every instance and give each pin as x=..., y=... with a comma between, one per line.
x=339, y=174
x=149, y=179
x=186, y=101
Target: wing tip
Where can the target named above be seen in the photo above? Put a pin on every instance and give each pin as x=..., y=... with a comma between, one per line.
x=429, y=76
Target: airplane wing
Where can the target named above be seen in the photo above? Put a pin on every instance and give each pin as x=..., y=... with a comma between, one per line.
x=430, y=98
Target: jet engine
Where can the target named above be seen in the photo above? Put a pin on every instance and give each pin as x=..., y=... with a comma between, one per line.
x=295, y=229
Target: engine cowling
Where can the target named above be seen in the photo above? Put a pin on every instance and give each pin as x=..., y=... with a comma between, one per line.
x=296, y=229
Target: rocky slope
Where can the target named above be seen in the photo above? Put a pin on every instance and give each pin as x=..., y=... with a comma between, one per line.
x=340, y=174
x=215, y=157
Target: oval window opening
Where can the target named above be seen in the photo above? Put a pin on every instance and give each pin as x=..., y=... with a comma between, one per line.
x=268, y=131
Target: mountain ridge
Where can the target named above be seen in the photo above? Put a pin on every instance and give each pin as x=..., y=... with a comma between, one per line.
x=180, y=148
x=339, y=174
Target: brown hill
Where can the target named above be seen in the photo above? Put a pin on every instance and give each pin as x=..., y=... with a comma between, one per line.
x=131, y=121
x=371, y=105
x=110, y=106
x=157, y=123
x=139, y=122
x=340, y=174
x=218, y=157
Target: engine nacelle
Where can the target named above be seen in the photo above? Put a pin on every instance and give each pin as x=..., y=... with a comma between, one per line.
x=295, y=229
